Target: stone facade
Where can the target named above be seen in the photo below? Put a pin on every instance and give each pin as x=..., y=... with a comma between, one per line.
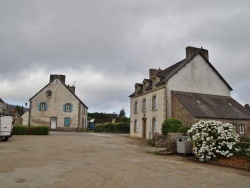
x=168, y=142
x=57, y=107
x=180, y=112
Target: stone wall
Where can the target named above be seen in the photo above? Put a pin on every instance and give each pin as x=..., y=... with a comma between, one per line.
x=180, y=112
x=168, y=142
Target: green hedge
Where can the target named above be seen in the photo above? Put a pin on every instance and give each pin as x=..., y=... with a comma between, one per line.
x=171, y=125
x=183, y=129
x=34, y=130
x=113, y=127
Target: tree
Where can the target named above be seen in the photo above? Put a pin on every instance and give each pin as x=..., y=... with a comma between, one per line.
x=122, y=113
x=20, y=110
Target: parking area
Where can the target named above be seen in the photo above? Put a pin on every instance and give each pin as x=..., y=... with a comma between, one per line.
x=71, y=159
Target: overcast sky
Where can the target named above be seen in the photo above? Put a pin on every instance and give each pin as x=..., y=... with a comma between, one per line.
x=106, y=46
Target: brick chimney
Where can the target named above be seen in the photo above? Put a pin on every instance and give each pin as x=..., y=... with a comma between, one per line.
x=72, y=88
x=247, y=106
x=54, y=76
x=190, y=51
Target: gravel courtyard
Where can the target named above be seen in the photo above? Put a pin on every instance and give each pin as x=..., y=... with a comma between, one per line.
x=64, y=159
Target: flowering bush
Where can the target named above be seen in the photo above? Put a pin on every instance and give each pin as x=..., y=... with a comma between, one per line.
x=212, y=139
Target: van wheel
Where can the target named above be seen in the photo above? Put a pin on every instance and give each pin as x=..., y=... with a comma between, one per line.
x=5, y=139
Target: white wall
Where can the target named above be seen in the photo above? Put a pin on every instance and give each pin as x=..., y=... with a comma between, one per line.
x=197, y=77
x=160, y=113
x=25, y=117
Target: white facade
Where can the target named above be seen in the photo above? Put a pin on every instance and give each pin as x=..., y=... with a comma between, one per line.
x=25, y=117
x=57, y=107
x=148, y=114
x=197, y=76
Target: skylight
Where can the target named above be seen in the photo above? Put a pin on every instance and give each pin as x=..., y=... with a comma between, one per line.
x=199, y=102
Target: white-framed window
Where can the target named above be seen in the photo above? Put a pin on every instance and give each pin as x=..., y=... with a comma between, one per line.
x=144, y=105
x=136, y=126
x=242, y=129
x=42, y=106
x=136, y=107
x=154, y=102
x=154, y=124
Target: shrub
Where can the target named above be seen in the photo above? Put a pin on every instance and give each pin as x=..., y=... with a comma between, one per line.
x=39, y=130
x=183, y=129
x=113, y=127
x=19, y=130
x=171, y=125
x=212, y=139
x=35, y=130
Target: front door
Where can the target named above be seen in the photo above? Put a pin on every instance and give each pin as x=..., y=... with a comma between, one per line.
x=53, y=122
x=144, y=125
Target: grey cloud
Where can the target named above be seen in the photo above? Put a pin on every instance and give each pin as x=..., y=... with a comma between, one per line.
x=120, y=40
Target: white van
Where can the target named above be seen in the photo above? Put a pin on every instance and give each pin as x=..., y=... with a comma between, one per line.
x=5, y=127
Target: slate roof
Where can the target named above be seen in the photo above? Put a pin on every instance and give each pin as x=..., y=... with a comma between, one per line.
x=212, y=106
x=65, y=86
x=172, y=70
x=1, y=100
x=167, y=73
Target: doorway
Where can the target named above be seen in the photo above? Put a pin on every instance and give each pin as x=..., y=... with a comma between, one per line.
x=53, y=122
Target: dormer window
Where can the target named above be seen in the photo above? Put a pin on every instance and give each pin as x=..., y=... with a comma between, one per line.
x=48, y=93
x=154, y=81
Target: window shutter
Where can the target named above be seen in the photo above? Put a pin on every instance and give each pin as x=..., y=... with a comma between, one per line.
x=142, y=105
x=39, y=107
x=146, y=105
x=150, y=124
x=156, y=124
x=151, y=103
x=156, y=103
x=64, y=107
x=46, y=107
x=136, y=126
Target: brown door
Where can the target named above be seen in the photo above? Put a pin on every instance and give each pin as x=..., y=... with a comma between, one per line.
x=144, y=128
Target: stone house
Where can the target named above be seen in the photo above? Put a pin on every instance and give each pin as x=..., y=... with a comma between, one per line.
x=57, y=106
x=9, y=110
x=158, y=97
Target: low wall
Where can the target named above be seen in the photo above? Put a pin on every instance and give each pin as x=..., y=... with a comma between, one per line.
x=168, y=142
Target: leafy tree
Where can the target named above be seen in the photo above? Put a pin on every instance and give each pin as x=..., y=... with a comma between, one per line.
x=19, y=109
x=97, y=115
x=126, y=120
x=122, y=113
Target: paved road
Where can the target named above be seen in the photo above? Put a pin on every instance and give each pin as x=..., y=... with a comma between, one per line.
x=103, y=160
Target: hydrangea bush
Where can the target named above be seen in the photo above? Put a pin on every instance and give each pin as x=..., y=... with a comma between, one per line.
x=212, y=139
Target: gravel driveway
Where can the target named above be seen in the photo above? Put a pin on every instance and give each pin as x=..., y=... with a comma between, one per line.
x=64, y=159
